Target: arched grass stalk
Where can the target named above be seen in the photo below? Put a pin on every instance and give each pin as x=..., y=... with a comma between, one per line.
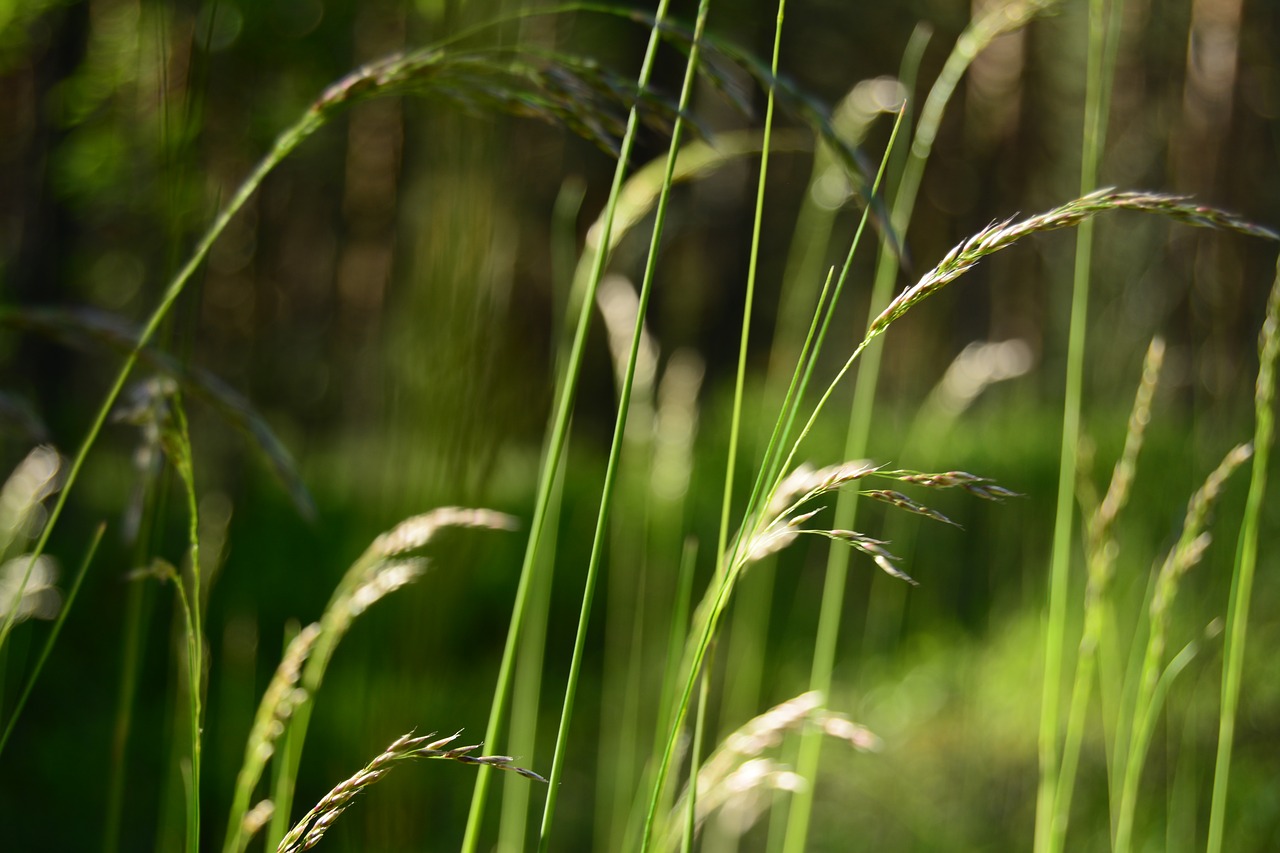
x=382, y=569
x=278, y=703
x=740, y=769
x=1245, y=564
x=308, y=831
x=1001, y=235
x=959, y=260
x=976, y=37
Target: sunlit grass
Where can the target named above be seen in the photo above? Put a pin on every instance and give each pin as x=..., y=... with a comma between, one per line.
x=667, y=749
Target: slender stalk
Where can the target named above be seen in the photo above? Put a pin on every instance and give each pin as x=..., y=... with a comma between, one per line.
x=555, y=449
x=1151, y=684
x=744, y=339
x=972, y=41
x=695, y=753
x=513, y=826
x=723, y=559
x=1049, y=825
x=1245, y=564
x=177, y=441
x=310, y=122
x=1101, y=566
x=619, y=429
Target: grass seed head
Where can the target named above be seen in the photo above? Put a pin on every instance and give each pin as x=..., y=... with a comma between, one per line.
x=415, y=532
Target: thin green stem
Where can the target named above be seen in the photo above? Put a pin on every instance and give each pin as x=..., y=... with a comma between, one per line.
x=1051, y=827
x=284, y=145
x=1141, y=742
x=551, y=459
x=695, y=754
x=620, y=424
x=971, y=42
x=178, y=447
x=1101, y=566
x=1245, y=564
x=735, y=421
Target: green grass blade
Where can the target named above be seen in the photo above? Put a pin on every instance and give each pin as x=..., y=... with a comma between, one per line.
x=567, y=392
x=284, y=145
x=1245, y=565
x=615, y=449
x=1051, y=826
x=1100, y=563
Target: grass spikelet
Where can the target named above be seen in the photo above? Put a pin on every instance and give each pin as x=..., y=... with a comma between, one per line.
x=377, y=573
x=308, y=831
x=805, y=483
x=27, y=589
x=279, y=701
x=1103, y=521
x=738, y=775
x=1100, y=554
x=23, y=494
x=414, y=533
x=1002, y=235
x=1191, y=543
x=1155, y=677
x=901, y=501
x=873, y=548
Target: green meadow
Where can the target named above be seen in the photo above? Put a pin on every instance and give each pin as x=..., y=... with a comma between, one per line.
x=504, y=426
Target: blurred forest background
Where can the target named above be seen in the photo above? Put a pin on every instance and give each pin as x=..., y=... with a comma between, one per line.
x=390, y=304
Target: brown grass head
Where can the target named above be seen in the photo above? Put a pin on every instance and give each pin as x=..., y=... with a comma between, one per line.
x=307, y=832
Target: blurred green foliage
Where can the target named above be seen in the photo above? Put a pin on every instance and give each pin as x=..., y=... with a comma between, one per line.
x=390, y=304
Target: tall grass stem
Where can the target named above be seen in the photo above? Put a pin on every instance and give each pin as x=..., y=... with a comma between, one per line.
x=620, y=425
x=1051, y=826
x=1246, y=562
x=567, y=392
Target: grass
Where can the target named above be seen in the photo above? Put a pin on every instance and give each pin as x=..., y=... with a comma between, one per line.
x=677, y=526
